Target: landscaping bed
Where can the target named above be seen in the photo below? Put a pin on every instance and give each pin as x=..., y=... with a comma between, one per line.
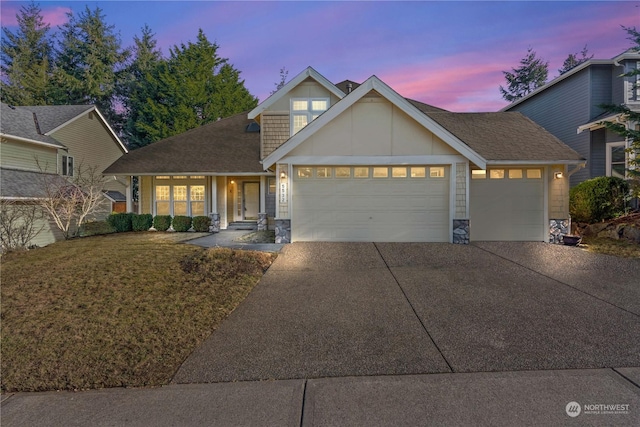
x=120, y=310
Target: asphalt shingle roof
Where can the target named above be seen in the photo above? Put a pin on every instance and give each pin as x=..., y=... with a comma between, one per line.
x=20, y=122
x=21, y=184
x=52, y=116
x=221, y=147
x=505, y=136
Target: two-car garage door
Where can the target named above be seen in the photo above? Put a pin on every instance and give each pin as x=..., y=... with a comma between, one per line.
x=371, y=203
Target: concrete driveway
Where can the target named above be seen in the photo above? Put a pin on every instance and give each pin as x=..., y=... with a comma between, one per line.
x=362, y=309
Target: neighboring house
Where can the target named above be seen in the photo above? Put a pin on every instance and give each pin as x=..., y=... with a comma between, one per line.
x=569, y=108
x=37, y=141
x=353, y=162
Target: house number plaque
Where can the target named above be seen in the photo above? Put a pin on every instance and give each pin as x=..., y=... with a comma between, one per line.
x=283, y=192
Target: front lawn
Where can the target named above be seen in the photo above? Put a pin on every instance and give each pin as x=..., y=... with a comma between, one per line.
x=602, y=245
x=115, y=310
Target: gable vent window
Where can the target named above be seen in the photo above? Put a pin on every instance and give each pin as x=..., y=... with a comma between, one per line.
x=67, y=165
x=305, y=110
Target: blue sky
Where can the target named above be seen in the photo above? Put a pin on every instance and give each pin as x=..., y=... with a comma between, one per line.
x=447, y=53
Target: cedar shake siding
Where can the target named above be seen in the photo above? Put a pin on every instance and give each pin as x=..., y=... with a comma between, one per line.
x=275, y=130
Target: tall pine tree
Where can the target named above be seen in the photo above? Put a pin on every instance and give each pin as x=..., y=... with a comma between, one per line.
x=573, y=60
x=530, y=75
x=89, y=61
x=193, y=87
x=27, y=58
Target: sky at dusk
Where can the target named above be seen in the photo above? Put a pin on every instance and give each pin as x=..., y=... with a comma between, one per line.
x=450, y=54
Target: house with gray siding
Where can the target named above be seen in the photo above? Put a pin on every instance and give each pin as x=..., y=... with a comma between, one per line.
x=54, y=141
x=569, y=108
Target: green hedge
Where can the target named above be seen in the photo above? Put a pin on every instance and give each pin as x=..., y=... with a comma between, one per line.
x=120, y=221
x=201, y=223
x=181, y=223
x=142, y=222
x=598, y=199
x=162, y=222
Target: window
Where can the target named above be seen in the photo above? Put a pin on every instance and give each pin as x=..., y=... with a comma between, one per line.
x=496, y=173
x=436, y=172
x=418, y=172
x=515, y=173
x=272, y=185
x=305, y=172
x=162, y=200
x=343, y=172
x=323, y=172
x=197, y=200
x=304, y=111
x=616, y=159
x=478, y=174
x=379, y=172
x=534, y=173
x=180, y=199
x=397, y=172
x=361, y=172
x=67, y=165
x=163, y=177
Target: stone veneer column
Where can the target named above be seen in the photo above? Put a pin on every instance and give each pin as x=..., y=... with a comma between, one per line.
x=283, y=231
x=214, y=227
x=461, y=231
x=262, y=221
x=557, y=229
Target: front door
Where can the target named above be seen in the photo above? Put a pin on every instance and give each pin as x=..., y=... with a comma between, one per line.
x=251, y=199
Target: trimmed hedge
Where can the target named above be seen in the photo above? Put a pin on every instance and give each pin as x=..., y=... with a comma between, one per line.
x=598, y=199
x=181, y=223
x=201, y=223
x=142, y=222
x=120, y=221
x=162, y=222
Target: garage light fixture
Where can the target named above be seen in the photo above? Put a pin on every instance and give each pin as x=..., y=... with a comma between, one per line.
x=558, y=175
x=283, y=175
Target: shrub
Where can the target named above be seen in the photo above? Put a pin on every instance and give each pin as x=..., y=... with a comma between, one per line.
x=120, y=221
x=141, y=222
x=95, y=228
x=201, y=223
x=162, y=222
x=598, y=199
x=181, y=223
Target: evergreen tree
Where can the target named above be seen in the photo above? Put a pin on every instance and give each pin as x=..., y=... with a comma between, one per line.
x=530, y=75
x=27, y=60
x=573, y=60
x=628, y=126
x=193, y=87
x=137, y=86
x=88, y=63
x=283, y=80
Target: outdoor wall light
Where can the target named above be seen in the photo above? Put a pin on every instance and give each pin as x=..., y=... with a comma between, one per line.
x=233, y=182
x=283, y=175
x=558, y=175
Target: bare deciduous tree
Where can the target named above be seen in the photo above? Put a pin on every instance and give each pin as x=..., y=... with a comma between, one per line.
x=70, y=203
x=20, y=223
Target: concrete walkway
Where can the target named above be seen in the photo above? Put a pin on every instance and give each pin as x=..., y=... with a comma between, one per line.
x=227, y=239
x=400, y=334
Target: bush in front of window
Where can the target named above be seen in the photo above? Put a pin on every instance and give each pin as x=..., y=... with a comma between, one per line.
x=201, y=223
x=120, y=221
x=181, y=223
x=598, y=199
x=162, y=222
x=141, y=222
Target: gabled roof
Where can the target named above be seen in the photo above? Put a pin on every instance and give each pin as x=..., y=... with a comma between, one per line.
x=506, y=137
x=374, y=84
x=20, y=123
x=223, y=147
x=52, y=117
x=307, y=73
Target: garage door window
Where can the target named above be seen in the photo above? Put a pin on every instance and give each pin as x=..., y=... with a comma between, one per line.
x=436, y=172
x=380, y=172
x=534, y=174
x=323, y=172
x=305, y=173
x=398, y=172
x=478, y=174
x=418, y=172
x=343, y=172
x=496, y=173
x=361, y=172
x=515, y=173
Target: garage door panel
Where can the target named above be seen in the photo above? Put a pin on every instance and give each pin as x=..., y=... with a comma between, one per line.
x=507, y=209
x=371, y=209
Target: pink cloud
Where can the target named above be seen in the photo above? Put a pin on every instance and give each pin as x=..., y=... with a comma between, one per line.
x=53, y=16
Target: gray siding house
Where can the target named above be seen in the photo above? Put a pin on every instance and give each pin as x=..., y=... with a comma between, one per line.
x=569, y=108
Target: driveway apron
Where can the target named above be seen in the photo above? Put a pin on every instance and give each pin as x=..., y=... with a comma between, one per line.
x=359, y=309
x=322, y=309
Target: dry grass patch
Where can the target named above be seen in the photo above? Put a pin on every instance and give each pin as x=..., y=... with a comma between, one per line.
x=621, y=248
x=115, y=310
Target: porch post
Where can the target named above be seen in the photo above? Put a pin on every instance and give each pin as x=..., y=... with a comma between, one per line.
x=214, y=194
x=129, y=194
x=263, y=198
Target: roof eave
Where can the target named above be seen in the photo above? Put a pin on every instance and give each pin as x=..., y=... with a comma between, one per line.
x=33, y=141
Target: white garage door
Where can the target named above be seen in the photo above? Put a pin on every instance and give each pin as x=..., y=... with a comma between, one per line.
x=507, y=204
x=365, y=204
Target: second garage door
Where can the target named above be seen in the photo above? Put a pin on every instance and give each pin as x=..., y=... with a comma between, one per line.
x=371, y=203
x=507, y=204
